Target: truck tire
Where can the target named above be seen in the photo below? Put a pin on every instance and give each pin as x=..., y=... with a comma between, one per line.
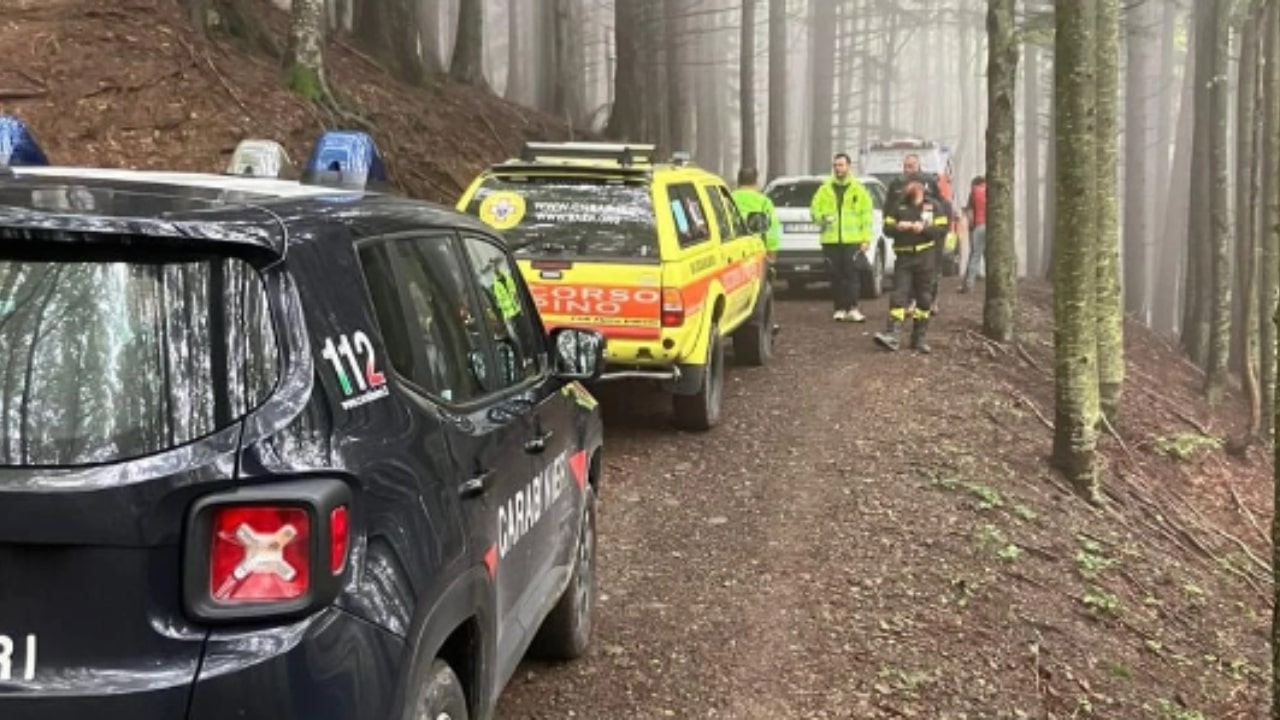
x=700, y=411
x=874, y=281
x=566, y=631
x=440, y=695
x=753, y=342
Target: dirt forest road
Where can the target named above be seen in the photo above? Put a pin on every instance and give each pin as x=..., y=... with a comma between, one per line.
x=770, y=569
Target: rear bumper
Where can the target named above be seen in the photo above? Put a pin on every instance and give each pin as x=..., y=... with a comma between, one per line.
x=801, y=265
x=331, y=666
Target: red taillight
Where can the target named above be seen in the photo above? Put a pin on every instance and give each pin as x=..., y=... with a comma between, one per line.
x=672, y=308
x=338, y=534
x=260, y=554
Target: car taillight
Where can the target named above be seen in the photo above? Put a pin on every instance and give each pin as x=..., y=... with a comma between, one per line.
x=672, y=308
x=338, y=529
x=275, y=549
x=259, y=554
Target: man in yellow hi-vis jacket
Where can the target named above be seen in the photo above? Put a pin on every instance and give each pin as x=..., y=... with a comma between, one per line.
x=842, y=209
x=749, y=199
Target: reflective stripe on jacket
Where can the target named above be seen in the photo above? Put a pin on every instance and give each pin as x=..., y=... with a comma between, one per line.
x=850, y=216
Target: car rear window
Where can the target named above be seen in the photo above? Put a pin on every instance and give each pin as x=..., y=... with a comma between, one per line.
x=570, y=217
x=108, y=360
x=794, y=194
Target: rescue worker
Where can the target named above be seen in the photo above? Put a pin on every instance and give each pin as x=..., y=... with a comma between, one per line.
x=842, y=209
x=911, y=173
x=916, y=230
x=749, y=199
x=504, y=294
x=933, y=192
x=977, y=215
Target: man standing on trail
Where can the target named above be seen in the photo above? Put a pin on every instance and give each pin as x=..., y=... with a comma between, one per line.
x=933, y=195
x=842, y=209
x=916, y=229
x=749, y=200
x=977, y=215
x=911, y=173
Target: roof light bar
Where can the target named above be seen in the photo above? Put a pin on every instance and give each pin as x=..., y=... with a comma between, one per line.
x=625, y=155
x=346, y=159
x=261, y=158
x=18, y=146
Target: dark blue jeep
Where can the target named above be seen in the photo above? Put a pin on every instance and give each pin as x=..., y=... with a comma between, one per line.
x=275, y=449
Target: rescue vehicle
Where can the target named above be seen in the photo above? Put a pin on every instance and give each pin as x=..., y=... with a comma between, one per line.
x=654, y=255
x=277, y=449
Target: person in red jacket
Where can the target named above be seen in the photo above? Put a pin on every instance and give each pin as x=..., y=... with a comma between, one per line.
x=977, y=215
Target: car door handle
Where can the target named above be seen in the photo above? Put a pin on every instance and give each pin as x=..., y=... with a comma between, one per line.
x=476, y=486
x=538, y=444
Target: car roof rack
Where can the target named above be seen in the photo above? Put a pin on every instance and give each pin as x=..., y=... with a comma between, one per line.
x=624, y=154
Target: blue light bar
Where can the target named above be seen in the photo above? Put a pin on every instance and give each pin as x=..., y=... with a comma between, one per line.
x=18, y=147
x=346, y=159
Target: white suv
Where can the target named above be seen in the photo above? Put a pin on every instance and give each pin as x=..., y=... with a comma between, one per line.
x=800, y=260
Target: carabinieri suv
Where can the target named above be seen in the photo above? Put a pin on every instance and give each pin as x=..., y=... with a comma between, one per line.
x=276, y=449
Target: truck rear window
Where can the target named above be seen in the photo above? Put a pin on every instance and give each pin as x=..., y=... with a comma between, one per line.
x=570, y=217
x=794, y=194
x=109, y=360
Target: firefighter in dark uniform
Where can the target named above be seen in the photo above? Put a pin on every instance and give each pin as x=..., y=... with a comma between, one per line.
x=916, y=228
x=911, y=172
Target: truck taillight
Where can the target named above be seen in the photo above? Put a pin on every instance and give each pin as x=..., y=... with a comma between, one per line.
x=672, y=308
x=338, y=540
x=271, y=550
x=259, y=554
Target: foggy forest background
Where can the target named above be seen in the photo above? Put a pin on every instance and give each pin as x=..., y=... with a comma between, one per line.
x=1132, y=148
x=849, y=72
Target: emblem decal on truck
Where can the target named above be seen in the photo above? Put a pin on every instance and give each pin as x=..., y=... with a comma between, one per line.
x=596, y=301
x=522, y=511
x=370, y=383
x=502, y=210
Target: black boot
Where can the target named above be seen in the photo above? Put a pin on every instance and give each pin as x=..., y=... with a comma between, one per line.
x=918, y=341
x=889, y=338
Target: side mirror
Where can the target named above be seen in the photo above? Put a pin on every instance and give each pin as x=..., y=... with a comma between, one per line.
x=577, y=354
x=758, y=222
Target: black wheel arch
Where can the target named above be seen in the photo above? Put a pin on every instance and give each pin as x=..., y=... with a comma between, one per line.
x=459, y=627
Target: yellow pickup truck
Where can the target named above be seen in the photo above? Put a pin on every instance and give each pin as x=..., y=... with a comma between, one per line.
x=655, y=255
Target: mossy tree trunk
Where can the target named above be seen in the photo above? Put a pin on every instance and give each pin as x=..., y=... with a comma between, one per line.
x=776, y=143
x=1001, y=303
x=1110, y=303
x=1248, y=228
x=628, y=73
x=747, y=84
x=1269, y=285
x=467, y=65
x=1219, y=207
x=1198, y=285
x=306, y=49
x=1142, y=66
x=1032, y=140
x=1075, y=275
